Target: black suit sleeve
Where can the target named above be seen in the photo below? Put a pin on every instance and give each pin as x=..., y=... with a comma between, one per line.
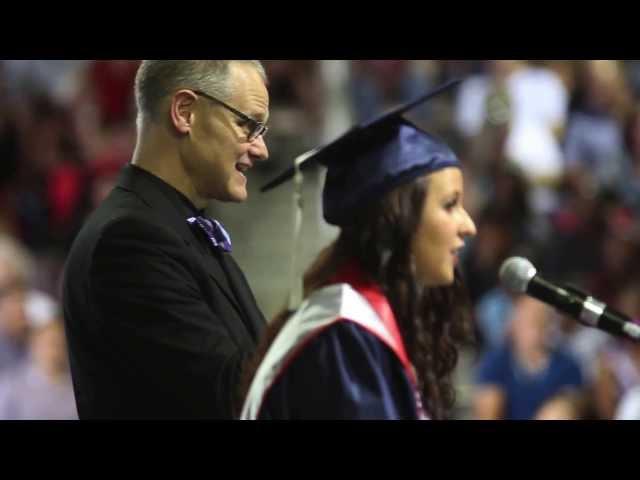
x=174, y=354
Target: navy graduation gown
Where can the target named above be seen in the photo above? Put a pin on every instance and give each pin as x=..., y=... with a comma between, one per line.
x=343, y=373
x=340, y=356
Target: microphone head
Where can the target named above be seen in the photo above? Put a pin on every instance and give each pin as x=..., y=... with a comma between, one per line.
x=516, y=273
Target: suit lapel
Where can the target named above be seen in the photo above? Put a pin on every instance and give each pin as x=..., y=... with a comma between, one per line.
x=161, y=198
x=253, y=318
x=216, y=271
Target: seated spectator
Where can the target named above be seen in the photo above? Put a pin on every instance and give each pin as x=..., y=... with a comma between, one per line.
x=40, y=388
x=530, y=102
x=570, y=404
x=585, y=344
x=16, y=271
x=110, y=86
x=377, y=85
x=9, y=142
x=629, y=406
x=487, y=250
x=594, y=142
x=515, y=380
x=297, y=108
x=618, y=373
x=619, y=365
x=492, y=313
x=629, y=181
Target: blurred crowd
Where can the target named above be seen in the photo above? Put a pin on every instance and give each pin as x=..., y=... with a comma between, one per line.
x=552, y=157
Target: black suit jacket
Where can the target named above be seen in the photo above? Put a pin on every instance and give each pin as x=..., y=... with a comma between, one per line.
x=157, y=321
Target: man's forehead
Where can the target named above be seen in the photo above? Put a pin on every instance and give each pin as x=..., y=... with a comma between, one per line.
x=250, y=92
x=246, y=72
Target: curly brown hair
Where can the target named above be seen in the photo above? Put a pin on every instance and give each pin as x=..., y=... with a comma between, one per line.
x=433, y=322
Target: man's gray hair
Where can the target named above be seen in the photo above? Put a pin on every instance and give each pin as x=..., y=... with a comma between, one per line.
x=157, y=79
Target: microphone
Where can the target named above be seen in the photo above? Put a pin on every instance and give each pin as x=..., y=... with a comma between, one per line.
x=518, y=275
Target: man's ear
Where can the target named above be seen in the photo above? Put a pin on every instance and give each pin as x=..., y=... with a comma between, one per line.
x=181, y=110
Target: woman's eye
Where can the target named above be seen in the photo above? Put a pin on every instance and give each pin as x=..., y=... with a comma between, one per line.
x=450, y=205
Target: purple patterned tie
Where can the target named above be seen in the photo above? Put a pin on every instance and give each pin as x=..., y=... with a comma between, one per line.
x=215, y=232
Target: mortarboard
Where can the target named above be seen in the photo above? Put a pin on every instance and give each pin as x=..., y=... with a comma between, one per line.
x=373, y=158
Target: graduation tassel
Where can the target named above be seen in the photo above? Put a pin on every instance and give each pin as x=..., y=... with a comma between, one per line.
x=296, y=282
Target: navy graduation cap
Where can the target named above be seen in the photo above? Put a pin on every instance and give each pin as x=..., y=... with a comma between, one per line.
x=373, y=158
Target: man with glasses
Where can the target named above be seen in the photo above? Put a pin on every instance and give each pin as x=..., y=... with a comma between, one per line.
x=158, y=315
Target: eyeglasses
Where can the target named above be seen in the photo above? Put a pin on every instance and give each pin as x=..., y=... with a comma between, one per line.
x=256, y=128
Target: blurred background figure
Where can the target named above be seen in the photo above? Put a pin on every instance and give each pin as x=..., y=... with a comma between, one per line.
x=628, y=185
x=378, y=85
x=618, y=366
x=55, y=79
x=39, y=387
x=566, y=405
x=16, y=271
x=515, y=380
x=618, y=375
x=529, y=103
x=594, y=144
x=629, y=406
x=297, y=108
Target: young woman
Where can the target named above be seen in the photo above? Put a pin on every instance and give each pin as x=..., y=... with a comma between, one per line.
x=376, y=336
